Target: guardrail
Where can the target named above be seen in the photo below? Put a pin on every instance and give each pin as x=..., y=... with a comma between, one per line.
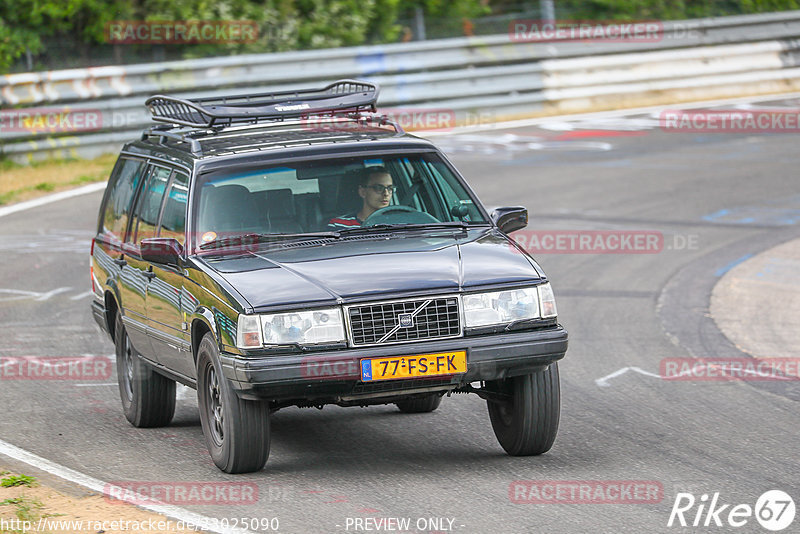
x=474, y=78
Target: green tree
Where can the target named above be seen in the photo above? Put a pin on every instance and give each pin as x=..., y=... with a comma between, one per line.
x=25, y=23
x=762, y=6
x=27, y=26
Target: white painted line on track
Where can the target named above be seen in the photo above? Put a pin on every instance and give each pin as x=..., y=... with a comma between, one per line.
x=41, y=201
x=49, y=294
x=94, y=484
x=35, y=295
x=82, y=295
x=21, y=295
x=521, y=123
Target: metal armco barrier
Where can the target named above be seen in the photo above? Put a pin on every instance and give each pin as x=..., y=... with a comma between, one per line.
x=475, y=79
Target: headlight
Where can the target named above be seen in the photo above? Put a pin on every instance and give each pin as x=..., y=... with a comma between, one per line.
x=501, y=307
x=305, y=327
x=302, y=327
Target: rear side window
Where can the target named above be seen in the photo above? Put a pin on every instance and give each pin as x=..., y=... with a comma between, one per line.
x=173, y=221
x=126, y=178
x=149, y=203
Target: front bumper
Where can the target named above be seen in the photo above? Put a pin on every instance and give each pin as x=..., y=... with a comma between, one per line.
x=334, y=376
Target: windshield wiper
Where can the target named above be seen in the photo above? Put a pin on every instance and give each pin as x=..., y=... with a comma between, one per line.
x=404, y=226
x=265, y=238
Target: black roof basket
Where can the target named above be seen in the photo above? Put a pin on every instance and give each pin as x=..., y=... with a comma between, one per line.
x=342, y=97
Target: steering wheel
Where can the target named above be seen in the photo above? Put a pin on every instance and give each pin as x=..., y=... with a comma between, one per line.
x=399, y=214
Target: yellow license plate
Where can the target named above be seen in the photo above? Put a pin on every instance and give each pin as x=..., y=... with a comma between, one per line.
x=440, y=363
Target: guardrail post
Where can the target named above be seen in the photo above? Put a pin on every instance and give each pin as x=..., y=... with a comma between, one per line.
x=548, y=10
x=419, y=22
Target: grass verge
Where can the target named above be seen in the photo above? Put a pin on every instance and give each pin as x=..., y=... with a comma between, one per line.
x=33, y=507
x=24, y=182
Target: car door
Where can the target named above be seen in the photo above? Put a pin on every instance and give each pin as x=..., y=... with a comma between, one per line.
x=166, y=297
x=108, y=260
x=137, y=273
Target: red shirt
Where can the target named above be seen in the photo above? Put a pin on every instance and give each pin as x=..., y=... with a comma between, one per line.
x=345, y=221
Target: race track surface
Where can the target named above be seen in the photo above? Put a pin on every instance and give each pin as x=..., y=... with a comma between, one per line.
x=715, y=198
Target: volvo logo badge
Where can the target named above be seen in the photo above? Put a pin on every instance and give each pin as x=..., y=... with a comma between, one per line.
x=406, y=320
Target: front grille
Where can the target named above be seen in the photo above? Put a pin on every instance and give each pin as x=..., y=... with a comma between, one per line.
x=433, y=318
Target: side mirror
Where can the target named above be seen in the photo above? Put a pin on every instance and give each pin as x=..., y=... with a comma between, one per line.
x=164, y=250
x=510, y=219
x=459, y=211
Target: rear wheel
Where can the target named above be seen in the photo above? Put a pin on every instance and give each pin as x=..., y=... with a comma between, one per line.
x=527, y=424
x=148, y=398
x=236, y=430
x=424, y=404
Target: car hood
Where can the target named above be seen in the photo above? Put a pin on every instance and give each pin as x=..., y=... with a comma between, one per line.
x=398, y=264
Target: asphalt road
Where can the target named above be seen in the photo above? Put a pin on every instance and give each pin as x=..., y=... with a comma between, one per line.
x=714, y=197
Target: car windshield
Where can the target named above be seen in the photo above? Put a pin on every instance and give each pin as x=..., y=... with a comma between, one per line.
x=333, y=195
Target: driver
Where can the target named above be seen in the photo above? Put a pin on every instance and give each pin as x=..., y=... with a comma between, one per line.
x=375, y=189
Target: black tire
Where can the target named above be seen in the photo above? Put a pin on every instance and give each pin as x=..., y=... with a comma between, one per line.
x=420, y=405
x=528, y=424
x=148, y=398
x=236, y=430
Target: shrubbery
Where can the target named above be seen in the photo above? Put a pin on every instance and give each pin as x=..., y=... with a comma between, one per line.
x=31, y=29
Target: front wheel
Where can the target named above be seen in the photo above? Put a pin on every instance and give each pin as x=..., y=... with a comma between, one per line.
x=148, y=398
x=527, y=424
x=236, y=430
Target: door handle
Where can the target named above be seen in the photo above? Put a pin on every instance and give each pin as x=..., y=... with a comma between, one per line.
x=120, y=261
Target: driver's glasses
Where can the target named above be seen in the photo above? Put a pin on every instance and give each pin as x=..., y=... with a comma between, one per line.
x=381, y=189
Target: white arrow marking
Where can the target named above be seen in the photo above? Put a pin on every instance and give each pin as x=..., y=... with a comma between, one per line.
x=603, y=382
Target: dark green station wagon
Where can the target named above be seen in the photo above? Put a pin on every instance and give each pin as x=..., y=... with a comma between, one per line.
x=298, y=249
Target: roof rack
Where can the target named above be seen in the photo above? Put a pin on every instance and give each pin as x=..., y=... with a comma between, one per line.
x=158, y=131
x=341, y=97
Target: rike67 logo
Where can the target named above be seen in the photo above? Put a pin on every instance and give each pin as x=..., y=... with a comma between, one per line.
x=774, y=510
